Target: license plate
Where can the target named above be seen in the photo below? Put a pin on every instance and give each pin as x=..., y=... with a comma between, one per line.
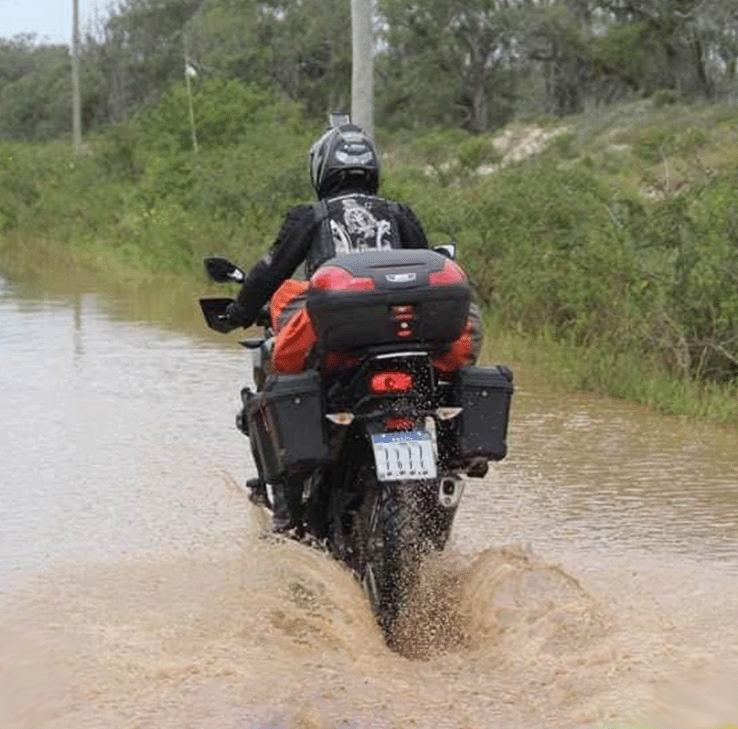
x=405, y=455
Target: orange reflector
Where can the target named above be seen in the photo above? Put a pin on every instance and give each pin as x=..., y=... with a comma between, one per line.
x=385, y=382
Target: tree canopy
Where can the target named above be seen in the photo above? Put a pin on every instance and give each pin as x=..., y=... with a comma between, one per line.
x=461, y=63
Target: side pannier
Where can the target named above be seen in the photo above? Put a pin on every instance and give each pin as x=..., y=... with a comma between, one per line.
x=286, y=424
x=484, y=395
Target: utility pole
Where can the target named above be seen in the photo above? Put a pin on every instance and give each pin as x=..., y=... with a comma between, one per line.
x=76, y=100
x=362, y=72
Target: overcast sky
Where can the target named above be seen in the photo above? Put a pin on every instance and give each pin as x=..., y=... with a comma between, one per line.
x=51, y=20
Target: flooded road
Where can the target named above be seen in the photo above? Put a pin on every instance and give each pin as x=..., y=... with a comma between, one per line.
x=592, y=579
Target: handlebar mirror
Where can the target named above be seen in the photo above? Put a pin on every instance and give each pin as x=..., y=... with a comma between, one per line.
x=448, y=250
x=221, y=270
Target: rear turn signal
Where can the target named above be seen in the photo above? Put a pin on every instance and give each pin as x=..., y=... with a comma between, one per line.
x=383, y=383
x=334, y=278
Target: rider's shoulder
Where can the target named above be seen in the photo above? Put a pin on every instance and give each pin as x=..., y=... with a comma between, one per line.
x=297, y=215
x=300, y=210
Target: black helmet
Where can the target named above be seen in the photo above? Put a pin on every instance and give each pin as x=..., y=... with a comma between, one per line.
x=344, y=158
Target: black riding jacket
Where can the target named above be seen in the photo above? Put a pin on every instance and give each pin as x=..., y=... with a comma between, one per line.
x=311, y=234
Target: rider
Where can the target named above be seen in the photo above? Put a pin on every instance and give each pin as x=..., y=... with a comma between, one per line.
x=348, y=217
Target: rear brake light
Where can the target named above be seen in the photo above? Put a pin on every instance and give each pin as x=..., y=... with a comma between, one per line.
x=398, y=422
x=334, y=278
x=386, y=382
x=449, y=274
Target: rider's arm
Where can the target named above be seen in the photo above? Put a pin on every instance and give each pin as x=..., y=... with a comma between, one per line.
x=411, y=231
x=279, y=263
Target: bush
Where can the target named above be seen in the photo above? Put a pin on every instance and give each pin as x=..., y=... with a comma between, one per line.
x=564, y=145
x=477, y=151
x=17, y=190
x=225, y=111
x=665, y=97
x=117, y=151
x=652, y=144
x=555, y=250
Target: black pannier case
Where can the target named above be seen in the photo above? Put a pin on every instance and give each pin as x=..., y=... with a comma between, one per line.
x=436, y=313
x=286, y=424
x=484, y=394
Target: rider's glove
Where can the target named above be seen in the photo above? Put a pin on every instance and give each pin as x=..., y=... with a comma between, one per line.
x=235, y=317
x=231, y=313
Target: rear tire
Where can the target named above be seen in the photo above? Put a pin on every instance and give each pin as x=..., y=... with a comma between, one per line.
x=397, y=524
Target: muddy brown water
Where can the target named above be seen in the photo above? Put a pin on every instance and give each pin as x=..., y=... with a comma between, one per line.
x=592, y=578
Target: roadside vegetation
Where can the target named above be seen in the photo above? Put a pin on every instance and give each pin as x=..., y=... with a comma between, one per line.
x=604, y=246
x=582, y=153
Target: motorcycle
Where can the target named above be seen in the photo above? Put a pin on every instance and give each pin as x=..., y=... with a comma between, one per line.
x=374, y=451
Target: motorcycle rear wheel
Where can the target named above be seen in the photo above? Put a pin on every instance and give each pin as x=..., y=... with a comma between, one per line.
x=397, y=524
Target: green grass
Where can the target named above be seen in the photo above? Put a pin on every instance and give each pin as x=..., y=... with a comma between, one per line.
x=570, y=368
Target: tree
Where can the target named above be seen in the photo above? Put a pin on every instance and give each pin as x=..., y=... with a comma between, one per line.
x=555, y=38
x=301, y=48
x=140, y=53
x=18, y=56
x=454, y=63
x=448, y=60
x=35, y=89
x=599, y=51
x=309, y=50
x=690, y=42
x=224, y=37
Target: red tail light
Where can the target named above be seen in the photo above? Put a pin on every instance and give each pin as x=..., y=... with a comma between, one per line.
x=334, y=278
x=406, y=312
x=385, y=382
x=398, y=422
x=404, y=315
x=449, y=274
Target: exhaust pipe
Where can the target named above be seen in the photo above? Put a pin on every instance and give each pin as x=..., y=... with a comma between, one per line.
x=449, y=491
